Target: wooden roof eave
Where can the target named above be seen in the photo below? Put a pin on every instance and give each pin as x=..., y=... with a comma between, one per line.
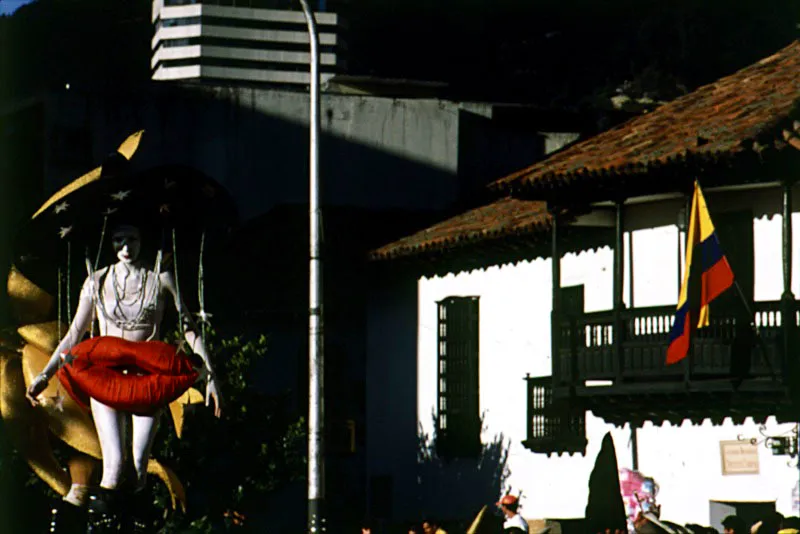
x=507, y=250
x=674, y=174
x=593, y=188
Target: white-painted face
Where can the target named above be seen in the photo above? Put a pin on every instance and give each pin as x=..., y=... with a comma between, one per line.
x=126, y=242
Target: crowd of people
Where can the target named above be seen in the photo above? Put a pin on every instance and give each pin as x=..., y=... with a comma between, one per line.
x=508, y=506
x=512, y=522
x=769, y=523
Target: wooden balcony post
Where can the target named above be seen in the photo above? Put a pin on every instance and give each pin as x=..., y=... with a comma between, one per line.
x=787, y=240
x=529, y=411
x=556, y=266
x=629, y=267
x=555, y=316
x=788, y=305
x=619, y=277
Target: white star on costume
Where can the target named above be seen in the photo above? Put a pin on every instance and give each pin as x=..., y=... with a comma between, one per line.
x=57, y=401
x=120, y=195
x=64, y=231
x=203, y=316
x=61, y=207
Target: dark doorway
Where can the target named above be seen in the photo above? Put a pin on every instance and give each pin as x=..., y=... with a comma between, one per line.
x=572, y=301
x=750, y=512
x=735, y=232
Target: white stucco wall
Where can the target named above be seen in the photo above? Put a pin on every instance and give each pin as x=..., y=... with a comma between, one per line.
x=515, y=305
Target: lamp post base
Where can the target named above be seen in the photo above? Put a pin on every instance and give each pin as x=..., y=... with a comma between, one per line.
x=316, y=516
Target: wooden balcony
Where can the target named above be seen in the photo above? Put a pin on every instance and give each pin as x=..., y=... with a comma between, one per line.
x=730, y=371
x=553, y=426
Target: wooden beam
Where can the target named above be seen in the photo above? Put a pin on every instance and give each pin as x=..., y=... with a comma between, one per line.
x=555, y=316
x=629, y=266
x=788, y=304
x=787, y=239
x=597, y=218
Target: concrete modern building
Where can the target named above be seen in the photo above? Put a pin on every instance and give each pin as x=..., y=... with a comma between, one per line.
x=227, y=43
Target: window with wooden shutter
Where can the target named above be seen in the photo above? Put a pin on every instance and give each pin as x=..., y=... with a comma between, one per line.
x=458, y=421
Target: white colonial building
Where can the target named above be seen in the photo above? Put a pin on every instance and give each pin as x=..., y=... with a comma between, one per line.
x=514, y=332
x=493, y=368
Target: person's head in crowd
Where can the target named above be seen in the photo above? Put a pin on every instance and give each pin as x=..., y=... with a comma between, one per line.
x=509, y=504
x=430, y=525
x=734, y=525
x=770, y=523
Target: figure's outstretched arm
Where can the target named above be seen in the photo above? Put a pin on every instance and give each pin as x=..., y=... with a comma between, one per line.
x=80, y=324
x=195, y=342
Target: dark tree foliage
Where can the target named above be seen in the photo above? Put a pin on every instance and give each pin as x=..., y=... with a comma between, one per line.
x=567, y=52
x=50, y=43
x=230, y=466
x=553, y=53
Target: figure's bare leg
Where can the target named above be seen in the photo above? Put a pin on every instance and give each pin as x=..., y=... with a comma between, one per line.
x=81, y=469
x=144, y=432
x=109, y=424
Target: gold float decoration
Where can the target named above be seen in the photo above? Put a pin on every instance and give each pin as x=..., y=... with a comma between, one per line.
x=29, y=303
x=29, y=427
x=43, y=336
x=25, y=426
x=65, y=418
x=192, y=396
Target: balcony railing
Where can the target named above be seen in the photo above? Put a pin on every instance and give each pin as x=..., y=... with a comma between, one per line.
x=587, y=350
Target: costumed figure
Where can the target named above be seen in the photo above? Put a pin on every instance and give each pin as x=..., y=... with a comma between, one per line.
x=122, y=374
x=639, y=495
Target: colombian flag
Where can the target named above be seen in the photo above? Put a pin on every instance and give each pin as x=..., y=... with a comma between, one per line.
x=707, y=274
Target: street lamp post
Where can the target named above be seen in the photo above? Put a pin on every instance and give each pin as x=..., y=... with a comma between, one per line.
x=316, y=360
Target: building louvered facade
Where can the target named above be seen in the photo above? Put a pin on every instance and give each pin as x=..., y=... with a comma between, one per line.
x=205, y=41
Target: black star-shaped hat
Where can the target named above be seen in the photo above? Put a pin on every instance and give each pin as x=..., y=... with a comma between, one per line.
x=80, y=218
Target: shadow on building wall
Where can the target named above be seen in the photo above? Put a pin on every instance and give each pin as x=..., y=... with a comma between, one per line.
x=454, y=490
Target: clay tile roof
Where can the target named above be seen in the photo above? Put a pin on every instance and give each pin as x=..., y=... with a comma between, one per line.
x=720, y=118
x=503, y=218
